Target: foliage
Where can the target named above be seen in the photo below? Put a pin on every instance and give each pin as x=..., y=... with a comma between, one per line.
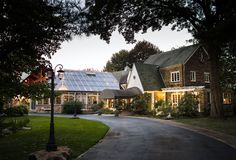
x=141, y=103
x=29, y=31
x=163, y=108
x=12, y=124
x=105, y=111
x=78, y=134
x=188, y=105
x=71, y=107
x=15, y=124
x=118, y=61
x=211, y=22
x=20, y=110
x=96, y=107
x=141, y=51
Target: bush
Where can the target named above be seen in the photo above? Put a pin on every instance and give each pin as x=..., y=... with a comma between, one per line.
x=96, y=107
x=163, y=108
x=105, y=111
x=72, y=107
x=188, y=105
x=17, y=124
x=12, y=125
x=140, y=104
x=20, y=110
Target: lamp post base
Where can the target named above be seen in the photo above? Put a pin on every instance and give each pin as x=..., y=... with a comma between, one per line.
x=51, y=147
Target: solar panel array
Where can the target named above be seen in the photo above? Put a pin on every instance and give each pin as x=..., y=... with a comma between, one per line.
x=86, y=81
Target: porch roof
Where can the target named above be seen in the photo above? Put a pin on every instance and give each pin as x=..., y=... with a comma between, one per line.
x=120, y=94
x=182, y=89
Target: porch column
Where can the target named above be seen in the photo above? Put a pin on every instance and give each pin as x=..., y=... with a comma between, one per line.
x=153, y=101
x=97, y=97
x=86, y=101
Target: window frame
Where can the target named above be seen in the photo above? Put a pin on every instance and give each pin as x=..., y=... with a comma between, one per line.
x=175, y=76
x=207, y=77
x=193, y=76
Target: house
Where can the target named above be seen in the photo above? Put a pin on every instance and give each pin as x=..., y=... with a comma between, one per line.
x=84, y=86
x=169, y=75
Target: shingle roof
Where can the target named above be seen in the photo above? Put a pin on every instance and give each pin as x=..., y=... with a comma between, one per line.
x=121, y=76
x=177, y=56
x=150, y=77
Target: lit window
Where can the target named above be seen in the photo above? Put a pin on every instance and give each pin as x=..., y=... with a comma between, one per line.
x=58, y=100
x=227, y=98
x=175, y=76
x=207, y=77
x=175, y=98
x=193, y=76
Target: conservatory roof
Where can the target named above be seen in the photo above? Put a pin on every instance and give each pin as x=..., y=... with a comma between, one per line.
x=75, y=80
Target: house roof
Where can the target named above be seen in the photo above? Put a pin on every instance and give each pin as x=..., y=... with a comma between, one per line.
x=120, y=94
x=121, y=76
x=150, y=77
x=75, y=80
x=177, y=56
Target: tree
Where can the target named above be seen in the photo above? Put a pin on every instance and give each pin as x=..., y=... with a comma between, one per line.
x=118, y=61
x=211, y=22
x=30, y=30
x=141, y=51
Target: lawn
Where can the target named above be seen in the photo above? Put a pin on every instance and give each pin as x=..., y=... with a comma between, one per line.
x=77, y=134
x=227, y=126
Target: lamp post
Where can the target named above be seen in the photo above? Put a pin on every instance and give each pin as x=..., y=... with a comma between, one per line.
x=51, y=145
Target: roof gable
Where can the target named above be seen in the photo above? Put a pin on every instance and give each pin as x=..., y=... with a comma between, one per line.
x=177, y=56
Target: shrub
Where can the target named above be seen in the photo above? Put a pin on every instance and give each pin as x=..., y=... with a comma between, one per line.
x=96, y=107
x=72, y=107
x=105, y=111
x=188, y=105
x=17, y=110
x=139, y=104
x=163, y=108
x=16, y=124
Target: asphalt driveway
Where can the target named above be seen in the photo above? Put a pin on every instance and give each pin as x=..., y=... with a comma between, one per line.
x=143, y=139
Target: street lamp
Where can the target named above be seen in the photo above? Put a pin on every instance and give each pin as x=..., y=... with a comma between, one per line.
x=51, y=145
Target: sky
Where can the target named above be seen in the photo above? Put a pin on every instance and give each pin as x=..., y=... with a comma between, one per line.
x=91, y=52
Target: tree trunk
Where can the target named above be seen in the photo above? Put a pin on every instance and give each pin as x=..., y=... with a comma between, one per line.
x=216, y=93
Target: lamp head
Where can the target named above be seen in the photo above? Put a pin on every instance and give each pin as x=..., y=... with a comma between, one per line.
x=60, y=73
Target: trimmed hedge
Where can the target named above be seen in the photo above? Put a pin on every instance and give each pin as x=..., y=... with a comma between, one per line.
x=72, y=107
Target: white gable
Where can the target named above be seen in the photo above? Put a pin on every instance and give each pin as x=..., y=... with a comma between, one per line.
x=134, y=80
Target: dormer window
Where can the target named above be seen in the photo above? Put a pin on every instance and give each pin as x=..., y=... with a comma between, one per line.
x=175, y=76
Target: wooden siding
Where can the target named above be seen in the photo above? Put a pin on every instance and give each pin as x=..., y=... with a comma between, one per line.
x=196, y=64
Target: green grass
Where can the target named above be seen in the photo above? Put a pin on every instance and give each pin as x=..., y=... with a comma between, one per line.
x=227, y=126
x=77, y=134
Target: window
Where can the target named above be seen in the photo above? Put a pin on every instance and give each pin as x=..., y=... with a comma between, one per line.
x=175, y=98
x=58, y=100
x=207, y=77
x=193, y=76
x=227, y=98
x=175, y=76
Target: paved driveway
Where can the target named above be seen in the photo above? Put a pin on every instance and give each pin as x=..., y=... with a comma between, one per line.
x=142, y=139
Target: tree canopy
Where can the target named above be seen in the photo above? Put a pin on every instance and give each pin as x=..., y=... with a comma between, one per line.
x=211, y=22
x=30, y=30
x=141, y=51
